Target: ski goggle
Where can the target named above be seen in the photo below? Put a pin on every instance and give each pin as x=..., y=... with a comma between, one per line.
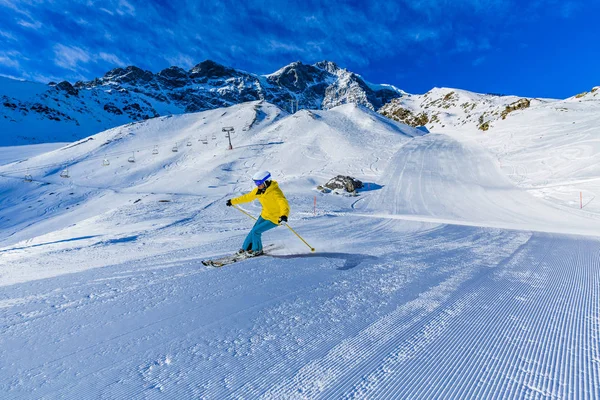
x=261, y=181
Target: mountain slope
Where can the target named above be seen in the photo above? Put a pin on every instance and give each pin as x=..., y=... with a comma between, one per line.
x=306, y=148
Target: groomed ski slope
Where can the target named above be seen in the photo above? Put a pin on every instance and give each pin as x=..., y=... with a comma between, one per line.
x=440, y=280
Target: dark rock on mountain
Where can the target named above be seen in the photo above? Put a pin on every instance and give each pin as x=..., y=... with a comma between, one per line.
x=173, y=77
x=111, y=108
x=298, y=77
x=211, y=70
x=67, y=87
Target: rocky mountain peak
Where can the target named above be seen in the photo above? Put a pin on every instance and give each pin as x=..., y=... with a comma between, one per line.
x=173, y=72
x=210, y=70
x=328, y=66
x=68, y=88
x=297, y=76
x=130, y=75
x=173, y=77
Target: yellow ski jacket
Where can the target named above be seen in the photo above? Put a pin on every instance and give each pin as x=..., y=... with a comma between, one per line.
x=272, y=200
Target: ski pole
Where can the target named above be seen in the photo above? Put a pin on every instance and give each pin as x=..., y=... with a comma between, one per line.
x=289, y=227
x=237, y=208
x=300, y=237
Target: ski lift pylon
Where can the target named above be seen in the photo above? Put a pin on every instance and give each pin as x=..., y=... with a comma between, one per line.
x=174, y=149
x=132, y=158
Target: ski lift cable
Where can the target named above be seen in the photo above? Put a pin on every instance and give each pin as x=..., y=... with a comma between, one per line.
x=72, y=161
x=75, y=160
x=122, y=152
x=82, y=158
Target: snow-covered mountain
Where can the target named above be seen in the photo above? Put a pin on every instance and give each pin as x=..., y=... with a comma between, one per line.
x=446, y=109
x=35, y=113
x=453, y=110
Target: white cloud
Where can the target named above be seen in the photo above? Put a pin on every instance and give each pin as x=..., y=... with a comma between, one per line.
x=70, y=57
x=259, y=37
x=422, y=35
x=82, y=22
x=42, y=78
x=478, y=61
x=108, y=36
x=568, y=9
x=18, y=78
x=433, y=7
x=9, y=61
x=181, y=60
x=464, y=45
x=276, y=46
x=7, y=35
x=111, y=58
x=125, y=8
x=13, y=5
x=35, y=25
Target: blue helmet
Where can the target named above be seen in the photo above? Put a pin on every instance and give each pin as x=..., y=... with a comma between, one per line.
x=261, y=177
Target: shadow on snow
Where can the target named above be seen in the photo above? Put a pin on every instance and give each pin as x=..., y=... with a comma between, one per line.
x=350, y=260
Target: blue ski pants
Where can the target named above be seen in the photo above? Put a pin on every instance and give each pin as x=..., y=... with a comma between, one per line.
x=253, y=240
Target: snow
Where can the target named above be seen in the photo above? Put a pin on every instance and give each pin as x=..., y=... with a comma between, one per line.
x=11, y=154
x=550, y=149
x=443, y=278
x=25, y=89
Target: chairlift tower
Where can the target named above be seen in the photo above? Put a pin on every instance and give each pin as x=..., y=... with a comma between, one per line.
x=228, y=130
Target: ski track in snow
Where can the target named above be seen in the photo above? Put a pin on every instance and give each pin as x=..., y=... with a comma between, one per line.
x=324, y=332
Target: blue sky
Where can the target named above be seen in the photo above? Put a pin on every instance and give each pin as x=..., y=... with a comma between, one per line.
x=537, y=48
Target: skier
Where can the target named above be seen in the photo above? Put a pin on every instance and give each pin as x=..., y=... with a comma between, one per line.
x=275, y=211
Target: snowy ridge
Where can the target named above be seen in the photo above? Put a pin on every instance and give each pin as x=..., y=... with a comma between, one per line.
x=441, y=279
x=35, y=113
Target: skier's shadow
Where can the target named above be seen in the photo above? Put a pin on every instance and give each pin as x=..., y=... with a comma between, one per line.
x=350, y=260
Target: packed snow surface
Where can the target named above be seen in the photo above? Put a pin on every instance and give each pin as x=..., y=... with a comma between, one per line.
x=442, y=278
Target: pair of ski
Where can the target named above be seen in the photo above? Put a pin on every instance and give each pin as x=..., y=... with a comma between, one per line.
x=233, y=258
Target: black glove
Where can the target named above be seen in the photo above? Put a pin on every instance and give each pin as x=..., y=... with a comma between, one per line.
x=229, y=203
x=283, y=218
